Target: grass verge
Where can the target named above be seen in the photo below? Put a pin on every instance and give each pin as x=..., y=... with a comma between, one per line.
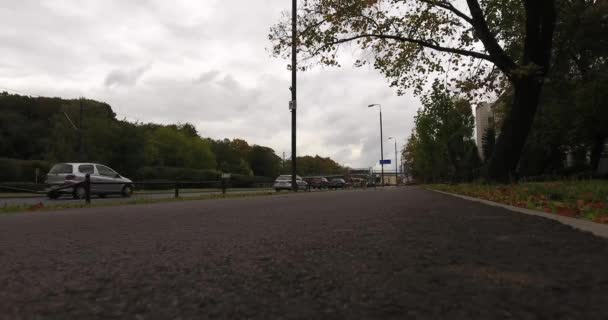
x=578, y=199
x=13, y=209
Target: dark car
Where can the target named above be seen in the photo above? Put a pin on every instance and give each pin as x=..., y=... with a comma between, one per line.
x=318, y=183
x=338, y=183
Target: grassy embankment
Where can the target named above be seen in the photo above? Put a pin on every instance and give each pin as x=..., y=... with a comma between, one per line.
x=11, y=209
x=580, y=199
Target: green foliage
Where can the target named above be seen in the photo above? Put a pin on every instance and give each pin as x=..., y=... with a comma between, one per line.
x=314, y=166
x=264, y=162
x=248, y=181
x=572, y=113
x=441, y=146
x=37, y=128
x=231, y=159
x=172, y=174
x=409, y=41
x=22, y=170
x=479, y=47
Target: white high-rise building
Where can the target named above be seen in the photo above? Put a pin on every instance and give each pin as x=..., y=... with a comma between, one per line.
x=484, y=119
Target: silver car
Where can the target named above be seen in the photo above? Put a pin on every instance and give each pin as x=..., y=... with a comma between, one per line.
x=63, y=174
x=283, y=182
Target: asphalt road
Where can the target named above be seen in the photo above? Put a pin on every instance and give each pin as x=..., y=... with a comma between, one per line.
x=67, y=199
x=389, y=253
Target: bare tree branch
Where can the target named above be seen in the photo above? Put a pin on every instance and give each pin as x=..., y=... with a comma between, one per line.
x=448, y=6
x=424, y=43
x=499, y=57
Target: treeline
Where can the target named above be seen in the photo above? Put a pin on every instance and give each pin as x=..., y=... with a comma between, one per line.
x=569, y=129
x=36, y=132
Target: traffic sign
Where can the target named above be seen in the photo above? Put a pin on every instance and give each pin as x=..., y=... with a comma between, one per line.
x=387, y=161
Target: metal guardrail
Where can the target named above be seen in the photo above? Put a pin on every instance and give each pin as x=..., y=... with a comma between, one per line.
x=222, y=185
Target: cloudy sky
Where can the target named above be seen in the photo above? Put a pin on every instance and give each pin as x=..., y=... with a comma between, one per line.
x=199, y=61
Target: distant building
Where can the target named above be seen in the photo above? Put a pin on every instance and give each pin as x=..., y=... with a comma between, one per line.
x=390, y=179
x=484, y=119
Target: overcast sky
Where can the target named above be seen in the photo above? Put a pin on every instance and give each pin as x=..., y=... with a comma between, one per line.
x=199, y=61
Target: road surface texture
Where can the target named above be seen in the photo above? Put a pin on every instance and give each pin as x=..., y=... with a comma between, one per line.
x=401, y=253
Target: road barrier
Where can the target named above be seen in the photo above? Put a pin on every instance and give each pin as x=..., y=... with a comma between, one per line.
x=222, y=185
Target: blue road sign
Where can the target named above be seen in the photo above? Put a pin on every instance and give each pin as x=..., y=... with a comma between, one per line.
x=388, y=161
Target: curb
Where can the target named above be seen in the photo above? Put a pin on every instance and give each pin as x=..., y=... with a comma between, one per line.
x=600, y=230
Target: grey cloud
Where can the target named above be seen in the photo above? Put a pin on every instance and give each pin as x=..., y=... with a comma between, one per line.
x=241, y=93
x=127, y=77
x=207, y=76
x=229, y=82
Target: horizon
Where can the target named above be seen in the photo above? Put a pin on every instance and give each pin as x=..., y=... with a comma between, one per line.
x=165, y=64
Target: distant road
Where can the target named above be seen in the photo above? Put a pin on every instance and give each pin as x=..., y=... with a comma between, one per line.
x=33, y=200
x=394, y=253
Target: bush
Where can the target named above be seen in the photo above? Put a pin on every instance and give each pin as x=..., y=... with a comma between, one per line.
x=13, y=170
x=245, y=181
x=175, y=174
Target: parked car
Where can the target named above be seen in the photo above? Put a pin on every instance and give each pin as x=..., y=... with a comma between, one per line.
x=63, y=174
x=359, y=183
x=318, y=183
x=338, y=183
x=283, y=182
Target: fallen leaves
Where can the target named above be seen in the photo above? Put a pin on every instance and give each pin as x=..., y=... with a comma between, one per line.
x=578, y=199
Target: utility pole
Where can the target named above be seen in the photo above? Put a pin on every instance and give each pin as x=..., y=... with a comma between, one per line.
x=396, y=165
x=381, y=140
x=80, y=144
x=381, y=147
x=293, y=104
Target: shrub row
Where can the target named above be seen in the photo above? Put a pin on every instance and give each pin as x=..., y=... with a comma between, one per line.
x=196, y=175
x=173, y=174
x=24, y=171
x=12, y=170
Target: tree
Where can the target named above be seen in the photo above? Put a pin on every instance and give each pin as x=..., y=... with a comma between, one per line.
x=37, y=129
x=241, y=146
x=311, y=166
x=441, y=146
x=582, y=64
x=412, y=40
x=264, y=162
x=572, y=114
x=488, y=142
x=230, y=159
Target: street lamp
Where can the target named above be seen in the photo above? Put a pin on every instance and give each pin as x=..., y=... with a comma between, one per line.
x=381, y=141
x=396, y=170
x=293, y=103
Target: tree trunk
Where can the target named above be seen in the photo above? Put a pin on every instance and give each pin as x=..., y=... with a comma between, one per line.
x=515, y=130
x=596, y=152
x=527, y=83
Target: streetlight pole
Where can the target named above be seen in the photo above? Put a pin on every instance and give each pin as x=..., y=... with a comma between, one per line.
x=293, y=104
x=396, y=168
x=381, y=141
x=80, y=144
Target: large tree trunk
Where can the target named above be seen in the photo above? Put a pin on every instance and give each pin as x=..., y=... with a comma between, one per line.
x=527, y=81
x=515, y=130
x=596, y=152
